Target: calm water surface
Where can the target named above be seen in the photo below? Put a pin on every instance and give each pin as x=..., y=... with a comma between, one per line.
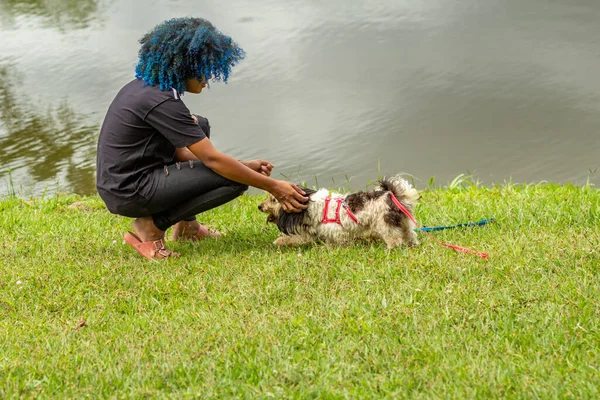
x=330, y=91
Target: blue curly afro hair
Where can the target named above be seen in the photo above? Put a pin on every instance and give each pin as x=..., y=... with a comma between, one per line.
x=186, y=48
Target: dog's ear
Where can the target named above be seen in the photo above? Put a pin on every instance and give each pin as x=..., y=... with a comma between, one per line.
x=308, y=191
x=291, y=223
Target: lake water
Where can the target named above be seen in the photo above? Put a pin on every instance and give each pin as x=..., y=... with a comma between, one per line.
x=332, y=92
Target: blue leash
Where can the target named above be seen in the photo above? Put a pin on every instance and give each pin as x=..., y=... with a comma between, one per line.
x=441, y=228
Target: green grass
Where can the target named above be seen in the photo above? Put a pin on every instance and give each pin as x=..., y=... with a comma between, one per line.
x=237, y=317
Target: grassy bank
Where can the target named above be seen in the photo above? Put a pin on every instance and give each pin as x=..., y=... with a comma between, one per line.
x=83, y=315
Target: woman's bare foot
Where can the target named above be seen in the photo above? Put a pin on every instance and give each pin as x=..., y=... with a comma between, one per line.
x=192, y=230
x=145, y=229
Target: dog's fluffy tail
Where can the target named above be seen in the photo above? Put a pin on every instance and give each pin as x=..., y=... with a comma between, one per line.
x=404, y=192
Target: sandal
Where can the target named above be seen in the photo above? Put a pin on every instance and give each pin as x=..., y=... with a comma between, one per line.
x=151, y=249
x=202, y=233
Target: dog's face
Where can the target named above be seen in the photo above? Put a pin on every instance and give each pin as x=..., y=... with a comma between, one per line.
x=272, y=207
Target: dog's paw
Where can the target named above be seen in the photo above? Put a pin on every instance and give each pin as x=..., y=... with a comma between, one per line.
x=281, y=241
x=413, y=243
x=294, y=240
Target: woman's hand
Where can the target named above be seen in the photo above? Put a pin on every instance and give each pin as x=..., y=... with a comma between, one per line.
x=290, y=196
x=260, y=166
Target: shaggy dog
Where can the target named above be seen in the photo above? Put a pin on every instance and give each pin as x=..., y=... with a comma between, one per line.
x=341, y=218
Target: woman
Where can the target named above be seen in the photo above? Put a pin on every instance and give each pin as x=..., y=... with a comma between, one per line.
x=155, y=161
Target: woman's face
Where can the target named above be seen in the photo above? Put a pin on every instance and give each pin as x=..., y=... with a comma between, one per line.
x=194, y=85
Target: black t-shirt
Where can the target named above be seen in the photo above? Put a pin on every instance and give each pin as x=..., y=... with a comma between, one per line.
x=141, y=130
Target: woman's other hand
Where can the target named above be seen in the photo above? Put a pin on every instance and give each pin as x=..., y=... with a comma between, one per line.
x=260, y=166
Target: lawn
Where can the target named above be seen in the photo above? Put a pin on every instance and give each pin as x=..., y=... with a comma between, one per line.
x=82, y=315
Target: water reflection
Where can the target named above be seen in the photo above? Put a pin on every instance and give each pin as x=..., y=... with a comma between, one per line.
x=56, y=13
x=44, y=144
x=329, y=90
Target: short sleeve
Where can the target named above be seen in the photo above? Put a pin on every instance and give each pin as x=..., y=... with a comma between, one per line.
x=173, y=120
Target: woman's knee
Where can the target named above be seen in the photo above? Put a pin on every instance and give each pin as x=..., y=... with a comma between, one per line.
x=240, y=188
x=203, y=124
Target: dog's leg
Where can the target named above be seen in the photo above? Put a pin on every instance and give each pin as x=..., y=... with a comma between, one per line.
x=398, y=236
x=294, y=240
x=392, y=236
x=393, y=241
x=409, y=235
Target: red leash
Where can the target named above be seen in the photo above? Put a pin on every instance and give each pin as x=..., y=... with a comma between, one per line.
x=457, y=248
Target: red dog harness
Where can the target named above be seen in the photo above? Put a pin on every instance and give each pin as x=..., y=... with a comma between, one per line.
x=341, y=202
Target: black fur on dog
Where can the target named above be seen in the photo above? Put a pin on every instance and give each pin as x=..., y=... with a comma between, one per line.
x=289, y=223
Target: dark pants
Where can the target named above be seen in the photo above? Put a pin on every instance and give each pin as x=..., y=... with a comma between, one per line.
x=182, y=191
x=189, y=188
x=186, y=189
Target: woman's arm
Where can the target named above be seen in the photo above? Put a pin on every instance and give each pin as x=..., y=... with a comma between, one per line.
x=261, y=166
x=289, y=195
x=183, y=154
